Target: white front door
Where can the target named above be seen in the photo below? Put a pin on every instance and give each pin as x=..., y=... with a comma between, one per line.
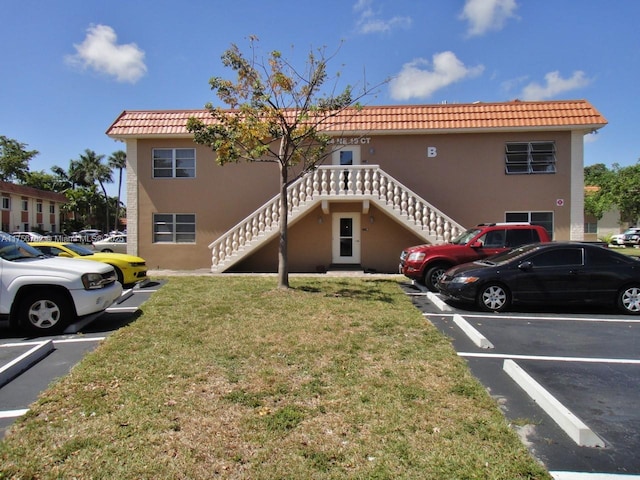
x=346, y=155
x=346, y=238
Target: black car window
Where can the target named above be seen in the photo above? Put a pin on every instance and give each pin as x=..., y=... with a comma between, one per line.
x=515, y=238
x=558, y=257
x=602, y=257
x=494, y=238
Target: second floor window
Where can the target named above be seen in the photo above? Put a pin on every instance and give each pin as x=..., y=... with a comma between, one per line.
x=530, y=157
x=6, y=203
x=174, y=162
x=25, y=205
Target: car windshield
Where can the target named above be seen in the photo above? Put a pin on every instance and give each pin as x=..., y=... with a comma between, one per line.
x=79, y=249
x=465, y=237
x=13, y=249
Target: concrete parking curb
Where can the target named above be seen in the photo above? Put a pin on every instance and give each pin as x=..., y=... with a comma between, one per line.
x=572, y=425
x=476, y=337
x=24, y=361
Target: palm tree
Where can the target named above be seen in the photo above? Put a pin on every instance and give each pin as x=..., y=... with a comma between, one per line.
x=89, y=169
x=118, y=160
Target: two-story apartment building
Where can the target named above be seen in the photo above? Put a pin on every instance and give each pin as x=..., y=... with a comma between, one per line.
x=397, y=176
x=28, y=209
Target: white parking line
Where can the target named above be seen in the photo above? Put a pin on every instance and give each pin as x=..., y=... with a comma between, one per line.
x=619, y=361
x=591, y=476
x=495, y=316
x=13, y=413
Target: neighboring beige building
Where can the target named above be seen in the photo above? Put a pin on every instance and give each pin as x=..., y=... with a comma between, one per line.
x=398, y=176
x=607, y=226
x=27, y=209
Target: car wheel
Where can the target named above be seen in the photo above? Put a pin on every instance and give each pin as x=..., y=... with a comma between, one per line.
x=45, y=312
x=629, y=299
x=432, y=276
x=493, y=297
x=106, y=250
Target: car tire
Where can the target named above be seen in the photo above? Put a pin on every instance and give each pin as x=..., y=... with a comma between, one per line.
x=432, y=275
x=45, y=313
x=493, y=297
x=106, y=250
x=119, y=274
x=629, y=299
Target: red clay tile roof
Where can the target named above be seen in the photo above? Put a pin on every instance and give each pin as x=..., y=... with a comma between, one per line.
x=397, y=119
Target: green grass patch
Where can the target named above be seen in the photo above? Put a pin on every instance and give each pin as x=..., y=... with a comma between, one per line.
x=231, y=377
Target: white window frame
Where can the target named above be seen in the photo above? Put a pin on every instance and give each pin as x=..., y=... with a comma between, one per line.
x=25, y=205
x=174, y=228
x=172, y=167
x=6, y=203
x=526, y=158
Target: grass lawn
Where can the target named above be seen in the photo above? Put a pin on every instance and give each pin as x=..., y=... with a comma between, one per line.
x=634, y=252
x=230, y=377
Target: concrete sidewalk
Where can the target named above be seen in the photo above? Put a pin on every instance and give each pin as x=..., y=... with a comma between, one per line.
x=332, y=273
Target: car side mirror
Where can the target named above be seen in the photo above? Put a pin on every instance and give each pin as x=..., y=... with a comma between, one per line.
x=476, y=245
x=525, y=266
x=65, y=255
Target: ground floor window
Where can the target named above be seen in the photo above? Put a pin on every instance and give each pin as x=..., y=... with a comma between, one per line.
x=544, y=219
x=591, y=227
x=174, y=228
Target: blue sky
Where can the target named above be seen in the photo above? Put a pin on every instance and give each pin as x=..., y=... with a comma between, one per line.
x=70, y=67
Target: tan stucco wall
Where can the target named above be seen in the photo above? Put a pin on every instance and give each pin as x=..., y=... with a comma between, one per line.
x=219, y=196
x=466, y=180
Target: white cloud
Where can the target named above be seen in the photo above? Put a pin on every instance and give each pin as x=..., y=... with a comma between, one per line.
x=417, y=81
x=485, y=15
x=554, y=85
x=370, y=22
x=100, y=51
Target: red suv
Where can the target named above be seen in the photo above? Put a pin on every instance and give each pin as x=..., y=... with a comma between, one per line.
x=427, y=263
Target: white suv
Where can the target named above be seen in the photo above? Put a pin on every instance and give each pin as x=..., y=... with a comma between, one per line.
x=44, y=295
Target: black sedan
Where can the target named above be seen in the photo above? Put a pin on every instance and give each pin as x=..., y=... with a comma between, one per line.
x=547, y=273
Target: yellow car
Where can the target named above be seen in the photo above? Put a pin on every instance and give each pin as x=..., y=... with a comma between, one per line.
x=130, y=269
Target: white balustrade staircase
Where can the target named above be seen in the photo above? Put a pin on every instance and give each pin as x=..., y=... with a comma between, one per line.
x=366, y=183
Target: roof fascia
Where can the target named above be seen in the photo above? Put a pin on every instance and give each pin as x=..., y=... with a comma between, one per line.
x=440, y=131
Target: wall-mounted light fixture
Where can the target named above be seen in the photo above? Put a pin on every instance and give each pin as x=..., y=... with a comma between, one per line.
x=320, y=220
x=372, y=219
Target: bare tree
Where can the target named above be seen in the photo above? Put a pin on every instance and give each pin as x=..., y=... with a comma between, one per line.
x=275, y=113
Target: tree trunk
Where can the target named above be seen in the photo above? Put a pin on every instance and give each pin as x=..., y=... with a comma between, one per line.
x=283, y=259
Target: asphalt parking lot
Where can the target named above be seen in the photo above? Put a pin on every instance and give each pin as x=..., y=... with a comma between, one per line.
x=568, y=381
x=29, y=365
x=587, y=362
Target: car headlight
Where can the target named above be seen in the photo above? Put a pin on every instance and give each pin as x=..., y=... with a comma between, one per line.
x=92, y=281
x=464, y=279
x=416, y=257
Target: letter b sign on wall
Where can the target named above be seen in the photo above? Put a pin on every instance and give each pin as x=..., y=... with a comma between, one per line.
x=432, y=152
